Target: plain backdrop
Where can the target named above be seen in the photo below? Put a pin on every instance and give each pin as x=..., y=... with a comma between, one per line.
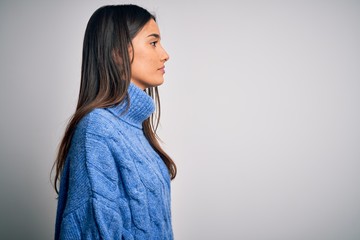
x=260, y=110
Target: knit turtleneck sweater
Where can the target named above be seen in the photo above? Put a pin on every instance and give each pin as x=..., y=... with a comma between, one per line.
x=114, y=185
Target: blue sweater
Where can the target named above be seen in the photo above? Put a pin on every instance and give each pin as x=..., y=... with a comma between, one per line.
x=114, y=185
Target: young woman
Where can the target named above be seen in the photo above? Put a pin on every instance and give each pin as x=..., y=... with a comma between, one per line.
x=114, y=176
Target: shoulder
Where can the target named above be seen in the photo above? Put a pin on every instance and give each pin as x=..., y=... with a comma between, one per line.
x=98, y=137
x=99, y=122
x=93, y=154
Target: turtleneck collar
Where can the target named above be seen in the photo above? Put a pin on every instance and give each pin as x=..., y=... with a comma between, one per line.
x=141, y=107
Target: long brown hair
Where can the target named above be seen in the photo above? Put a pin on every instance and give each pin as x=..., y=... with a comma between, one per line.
x=106, y=74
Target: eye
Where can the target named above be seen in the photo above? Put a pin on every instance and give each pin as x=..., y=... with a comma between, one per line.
x=154, y=43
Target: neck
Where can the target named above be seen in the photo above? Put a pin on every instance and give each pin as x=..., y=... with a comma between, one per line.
x=141, y=106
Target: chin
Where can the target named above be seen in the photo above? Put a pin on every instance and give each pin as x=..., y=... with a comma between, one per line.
x=156, y=83
x=148, y=84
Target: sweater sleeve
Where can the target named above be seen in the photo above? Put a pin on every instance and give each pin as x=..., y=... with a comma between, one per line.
x=93, y=220
x=94, y=210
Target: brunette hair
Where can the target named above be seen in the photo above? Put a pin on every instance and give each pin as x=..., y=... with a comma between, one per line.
x=106, y=74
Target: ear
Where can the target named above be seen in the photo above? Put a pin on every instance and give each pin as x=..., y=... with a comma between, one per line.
x=131, y=52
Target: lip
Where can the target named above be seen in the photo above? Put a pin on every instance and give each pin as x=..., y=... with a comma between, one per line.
x=162, y=69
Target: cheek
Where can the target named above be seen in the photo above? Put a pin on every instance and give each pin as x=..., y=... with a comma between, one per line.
x=141, y=60
x=145, y=63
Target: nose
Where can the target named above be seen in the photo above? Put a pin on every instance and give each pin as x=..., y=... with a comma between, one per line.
x=165, y=56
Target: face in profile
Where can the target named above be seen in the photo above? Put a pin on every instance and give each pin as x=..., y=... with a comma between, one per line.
x=148, y=66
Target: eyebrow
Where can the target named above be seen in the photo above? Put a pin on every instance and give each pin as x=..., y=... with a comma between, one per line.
x=154, y=35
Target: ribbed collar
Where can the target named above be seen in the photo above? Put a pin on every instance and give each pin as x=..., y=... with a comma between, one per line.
x=141, y=107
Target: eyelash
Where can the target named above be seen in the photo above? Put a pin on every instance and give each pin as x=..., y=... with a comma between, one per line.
x=154, y=43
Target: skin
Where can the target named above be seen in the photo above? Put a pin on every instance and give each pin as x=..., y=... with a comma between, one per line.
x=148, y=66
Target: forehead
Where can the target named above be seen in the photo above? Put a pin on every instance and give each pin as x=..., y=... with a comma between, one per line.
x=150, y=27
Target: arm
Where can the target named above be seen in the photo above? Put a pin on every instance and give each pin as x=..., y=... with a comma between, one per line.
x=93, y=220
x=92, y=204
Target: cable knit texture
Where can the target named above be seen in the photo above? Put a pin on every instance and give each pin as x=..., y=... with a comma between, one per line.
x=114, y=185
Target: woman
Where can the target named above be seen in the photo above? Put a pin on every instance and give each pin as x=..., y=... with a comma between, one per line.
x=114, y=176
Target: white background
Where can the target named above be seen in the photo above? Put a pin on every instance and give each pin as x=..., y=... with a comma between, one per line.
x=261, y=111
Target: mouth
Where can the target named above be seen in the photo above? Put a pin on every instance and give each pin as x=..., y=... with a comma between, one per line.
x=162, y=69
